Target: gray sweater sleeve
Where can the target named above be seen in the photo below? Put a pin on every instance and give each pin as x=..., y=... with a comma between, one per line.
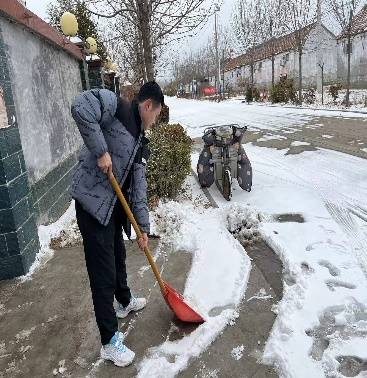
x=86, y=111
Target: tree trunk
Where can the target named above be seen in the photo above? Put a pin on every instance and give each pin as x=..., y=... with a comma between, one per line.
x=300, y=52
x=272, y=71
x=349, y=47
x=146, y=36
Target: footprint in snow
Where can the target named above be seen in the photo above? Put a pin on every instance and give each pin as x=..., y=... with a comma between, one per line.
x=333, y=270
x=332, y=284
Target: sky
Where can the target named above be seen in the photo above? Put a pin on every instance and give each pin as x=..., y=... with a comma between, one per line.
x=199, y=39
x=38, y=7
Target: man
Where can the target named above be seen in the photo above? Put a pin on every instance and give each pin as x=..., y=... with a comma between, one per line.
x=113, y=133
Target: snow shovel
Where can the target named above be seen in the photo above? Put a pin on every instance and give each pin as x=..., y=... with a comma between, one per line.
x=174, y=300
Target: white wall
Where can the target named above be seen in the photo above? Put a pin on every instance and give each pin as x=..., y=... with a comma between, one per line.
x=320, y=46
x=358, y=61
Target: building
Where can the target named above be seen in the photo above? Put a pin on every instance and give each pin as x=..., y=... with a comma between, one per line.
x=319, y=47
x=359, y=52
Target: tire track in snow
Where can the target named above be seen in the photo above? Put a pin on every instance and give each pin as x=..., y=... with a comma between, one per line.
x=332, y=188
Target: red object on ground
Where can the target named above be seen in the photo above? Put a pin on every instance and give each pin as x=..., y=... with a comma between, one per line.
x=209, y=91
x=181, y=309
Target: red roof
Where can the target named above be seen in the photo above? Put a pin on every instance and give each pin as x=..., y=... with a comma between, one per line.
x=267, y=49
x=14, y=10
x=359, y=24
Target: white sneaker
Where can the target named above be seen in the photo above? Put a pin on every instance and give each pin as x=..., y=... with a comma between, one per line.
x=117, y=352
x=136, y=304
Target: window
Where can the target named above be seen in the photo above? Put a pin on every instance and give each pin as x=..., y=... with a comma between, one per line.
x=284, y=59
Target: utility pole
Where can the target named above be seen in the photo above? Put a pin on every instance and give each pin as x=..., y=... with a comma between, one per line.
x=320, y=61
x=216, y=50
x=349, y=51
x=321, y=65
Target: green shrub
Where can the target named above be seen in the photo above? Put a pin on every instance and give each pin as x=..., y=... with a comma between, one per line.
x=334, y=91
x=283, y=91
x=169, y=162
x=164, y=115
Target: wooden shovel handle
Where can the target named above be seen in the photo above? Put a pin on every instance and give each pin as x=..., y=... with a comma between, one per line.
x=132, y=220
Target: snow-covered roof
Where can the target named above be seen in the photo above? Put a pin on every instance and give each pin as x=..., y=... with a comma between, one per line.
x=267, y=49
x=359, y=24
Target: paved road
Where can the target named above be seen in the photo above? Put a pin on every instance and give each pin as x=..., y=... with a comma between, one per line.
x=277, y=127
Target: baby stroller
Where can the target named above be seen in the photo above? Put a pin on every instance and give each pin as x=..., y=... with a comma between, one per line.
x=223, y=158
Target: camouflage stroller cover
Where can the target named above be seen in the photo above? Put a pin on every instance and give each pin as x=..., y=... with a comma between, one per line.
x=206, y=168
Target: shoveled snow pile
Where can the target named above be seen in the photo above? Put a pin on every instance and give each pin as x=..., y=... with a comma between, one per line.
x=45, y=235
x=215, y=285
x=243, y=223
x=68, y=237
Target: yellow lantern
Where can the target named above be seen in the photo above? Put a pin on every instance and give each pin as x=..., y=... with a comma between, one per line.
x=69, y=24
x=91, y=45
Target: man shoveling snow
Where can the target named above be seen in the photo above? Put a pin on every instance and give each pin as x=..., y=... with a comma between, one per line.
x=113, y=133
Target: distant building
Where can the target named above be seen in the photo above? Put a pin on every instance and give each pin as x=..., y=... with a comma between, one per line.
x=359, y=52
x=320, y=45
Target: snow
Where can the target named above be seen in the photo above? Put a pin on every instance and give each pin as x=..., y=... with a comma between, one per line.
x=330, y=244
x=323, y=313
x=271, y=137
x=297, y=144
x=45, y=235
x=237, y=352
x=214, y=287
x=195, y=116
x=261, y=295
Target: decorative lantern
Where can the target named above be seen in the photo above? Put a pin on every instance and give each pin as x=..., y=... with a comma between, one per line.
x=69, y=24
x=91, y=45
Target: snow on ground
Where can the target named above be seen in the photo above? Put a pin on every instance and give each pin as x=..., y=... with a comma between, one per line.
x=237, y=352
x=271, y=137
x=215, y=285
x=195, y=116
x=45, y=235
x=325, y=258
x=322, y=318
x=297, y=144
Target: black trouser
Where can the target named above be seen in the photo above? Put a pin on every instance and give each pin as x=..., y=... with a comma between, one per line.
x=105, y=256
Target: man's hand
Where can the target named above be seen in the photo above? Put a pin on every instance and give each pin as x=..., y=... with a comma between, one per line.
x=143, y=241
x=105, y=163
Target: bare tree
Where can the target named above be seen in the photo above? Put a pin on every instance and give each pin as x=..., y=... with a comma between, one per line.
x=300, y=16
x=247, y=25
x=344, y=12
x=272, y=25
x=156, y=22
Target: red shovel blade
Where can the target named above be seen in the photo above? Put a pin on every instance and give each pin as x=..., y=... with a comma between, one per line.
x=178, y=305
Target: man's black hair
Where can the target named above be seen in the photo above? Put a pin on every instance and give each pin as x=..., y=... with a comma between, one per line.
x=151, y=90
